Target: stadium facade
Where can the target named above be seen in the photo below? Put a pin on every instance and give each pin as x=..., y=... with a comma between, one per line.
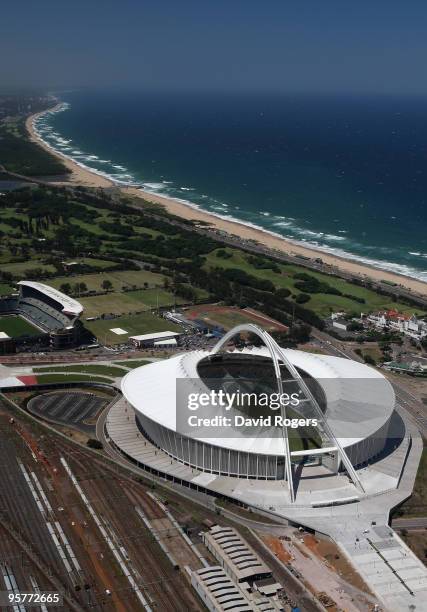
x=53, y=313
x=353, y=404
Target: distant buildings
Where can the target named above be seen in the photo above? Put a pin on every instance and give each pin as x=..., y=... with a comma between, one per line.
x=396, y=321
x=342, y=324
x=413, y=368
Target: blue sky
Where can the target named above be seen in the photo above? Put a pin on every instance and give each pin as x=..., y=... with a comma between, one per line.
x=306, y=45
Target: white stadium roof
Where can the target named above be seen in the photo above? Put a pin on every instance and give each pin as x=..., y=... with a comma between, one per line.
x=359, y=399
x=69, y=306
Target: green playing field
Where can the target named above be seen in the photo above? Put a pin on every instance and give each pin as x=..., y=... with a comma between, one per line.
x=14, y=327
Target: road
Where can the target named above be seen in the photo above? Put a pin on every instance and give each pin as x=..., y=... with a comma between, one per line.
x=410, y=523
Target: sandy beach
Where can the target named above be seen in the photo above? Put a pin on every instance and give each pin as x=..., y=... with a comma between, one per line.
x=85, y=177
x=79, y=175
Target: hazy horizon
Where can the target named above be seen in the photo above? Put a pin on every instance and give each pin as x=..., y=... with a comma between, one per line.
x=240, y=46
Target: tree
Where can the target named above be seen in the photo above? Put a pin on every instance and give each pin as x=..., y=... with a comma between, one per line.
x=107, y=285
x=92, y=443
x=300, y=333
x=369, y=360
x=65, y=288
x=79, y=288
x=302, y=298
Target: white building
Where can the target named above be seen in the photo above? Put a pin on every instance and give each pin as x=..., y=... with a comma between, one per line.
x=158, y=339
x=397, y=321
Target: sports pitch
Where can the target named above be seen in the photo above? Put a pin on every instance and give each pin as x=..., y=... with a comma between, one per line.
x=134, y=325
x=14, y=326
x=228, y=317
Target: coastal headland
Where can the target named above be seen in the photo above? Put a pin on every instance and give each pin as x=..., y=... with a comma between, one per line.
x=80, y=175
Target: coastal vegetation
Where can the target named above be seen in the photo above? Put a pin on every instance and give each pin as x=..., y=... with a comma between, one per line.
x=17, y=153
x=123, y=263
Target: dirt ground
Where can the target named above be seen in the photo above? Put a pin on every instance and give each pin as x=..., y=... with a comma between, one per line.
x=336, y=561
x=227, y=317
x=417, y=542
x=323, y=568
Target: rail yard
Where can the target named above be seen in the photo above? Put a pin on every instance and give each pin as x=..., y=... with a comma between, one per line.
x=72, y=525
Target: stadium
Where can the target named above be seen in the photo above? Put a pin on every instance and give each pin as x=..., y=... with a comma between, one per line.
x=353, y=404
x=40, y=313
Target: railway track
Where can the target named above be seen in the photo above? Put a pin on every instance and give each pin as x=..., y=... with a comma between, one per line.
x=115, y=496
x=165, y=587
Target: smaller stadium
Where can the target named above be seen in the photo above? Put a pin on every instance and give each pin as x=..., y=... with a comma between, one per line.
x=39, y=314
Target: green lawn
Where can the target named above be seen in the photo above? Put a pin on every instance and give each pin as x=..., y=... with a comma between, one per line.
x=126, y=278
x=66, y=378
x=19, y=267
x=92, y=261
x=103, y=370
x=134, y=325
x=323, y=304
x=133, y=363
x=6, y=289
x=125, y=302
x=14, y=327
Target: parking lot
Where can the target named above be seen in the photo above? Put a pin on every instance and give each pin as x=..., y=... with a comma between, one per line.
x=73, y=408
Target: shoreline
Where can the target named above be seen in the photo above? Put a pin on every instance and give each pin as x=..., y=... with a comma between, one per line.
x=81, y=175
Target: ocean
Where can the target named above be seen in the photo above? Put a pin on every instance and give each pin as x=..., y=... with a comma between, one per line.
x=346, y=175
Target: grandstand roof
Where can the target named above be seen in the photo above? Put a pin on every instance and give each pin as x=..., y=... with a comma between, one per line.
x=69, y=306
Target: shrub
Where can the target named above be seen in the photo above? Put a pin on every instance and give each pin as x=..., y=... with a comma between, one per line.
x=92, y=443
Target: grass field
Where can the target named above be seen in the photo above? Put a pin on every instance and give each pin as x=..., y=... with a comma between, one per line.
x=372, y=351
x=6, y=289
x=66, y=378
x=20, y=267
x=14, y=327
x=323, y=304
x=132, y=363
x=92, y=261
x=102, y=370
x=127, y=278
x=135, y=325
x=131, y=301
